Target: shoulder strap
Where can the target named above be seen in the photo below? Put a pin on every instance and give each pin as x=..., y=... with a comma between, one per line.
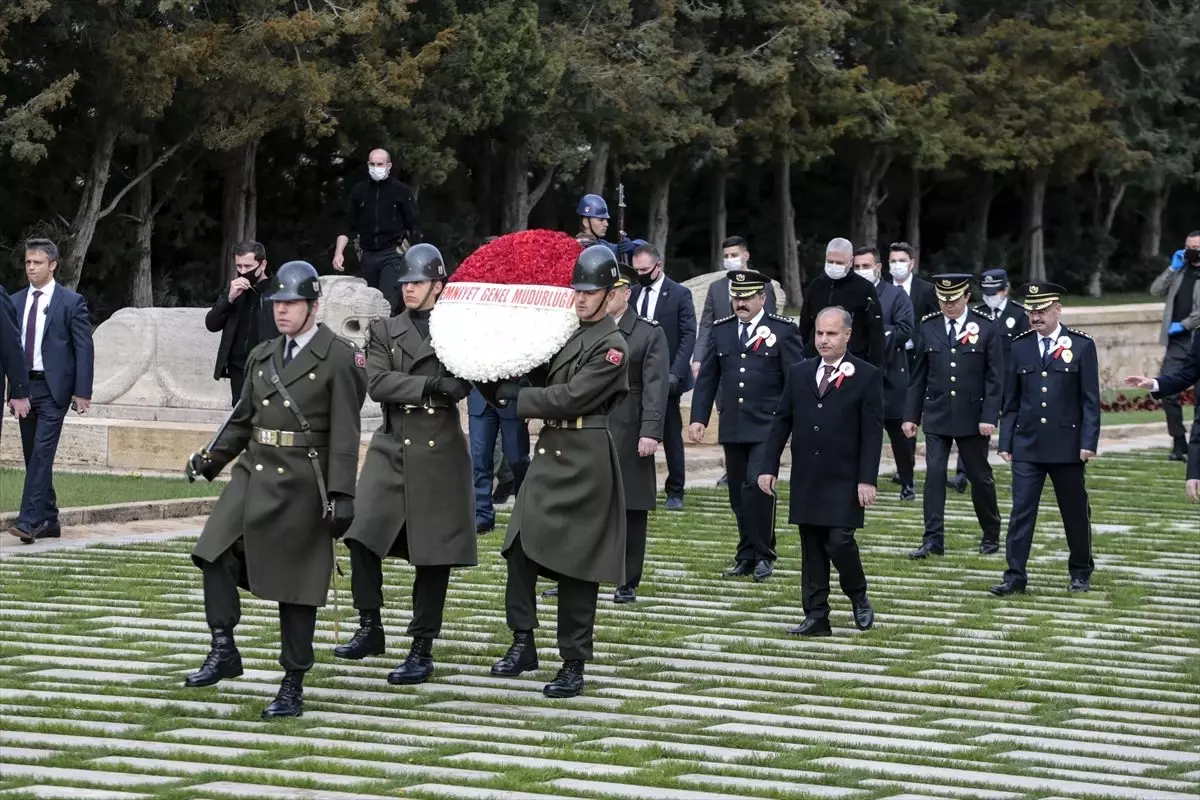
x=326, y=508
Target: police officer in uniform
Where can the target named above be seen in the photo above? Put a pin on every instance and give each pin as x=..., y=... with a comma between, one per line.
x=1010, y=318
x=569, y=519
x=272, y=529
x=747, y=360
x=415, y=495
x=955, y=394
x=1051, y=427
x=636, y=424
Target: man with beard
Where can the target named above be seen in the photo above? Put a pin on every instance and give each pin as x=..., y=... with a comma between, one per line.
x=415, y=494
x=242, y=315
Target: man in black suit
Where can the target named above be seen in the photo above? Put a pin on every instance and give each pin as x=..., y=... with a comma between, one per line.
x=1051, y=427
x=57, y=337
x=242, y=314
x=12, y=359
x=832, y=408
x=1174, y=383
x=956, y=395
x=839, y=286
x=747, y=361
x=661, y=299
x=898, y=327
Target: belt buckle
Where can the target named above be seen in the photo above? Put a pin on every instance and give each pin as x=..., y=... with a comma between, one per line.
x=270, y=438
x=287, y=438
x=579, y=423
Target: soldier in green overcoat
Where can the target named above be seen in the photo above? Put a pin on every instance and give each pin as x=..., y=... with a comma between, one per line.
x=636, y=425
x=569, y=519
x=415, y=497
x=271, y=531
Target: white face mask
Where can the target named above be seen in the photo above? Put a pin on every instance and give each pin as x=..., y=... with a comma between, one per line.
x=732, y=263
x=899, y=269
x=994, y=301
x=835, y=271
x=866, y=272
x=377, y=173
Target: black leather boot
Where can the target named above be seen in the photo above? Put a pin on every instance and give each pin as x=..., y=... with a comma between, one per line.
x=568, y=682
x=289, y=702
x=521, y=656
x=1179, y=449
x=367, y=640
x=417, y=667
x=223, y=661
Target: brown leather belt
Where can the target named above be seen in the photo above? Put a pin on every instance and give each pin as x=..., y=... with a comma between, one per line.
x=290, y=438
x=579, y=423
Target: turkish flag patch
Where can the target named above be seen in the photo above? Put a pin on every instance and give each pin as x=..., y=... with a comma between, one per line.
x=360, y=358
x=614, y=356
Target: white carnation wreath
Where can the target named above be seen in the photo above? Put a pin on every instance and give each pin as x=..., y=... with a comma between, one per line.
x=489, y=341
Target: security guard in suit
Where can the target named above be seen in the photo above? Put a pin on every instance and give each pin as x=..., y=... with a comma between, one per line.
x=297, y=426
x=1051, y=427
x=1011, y=319
x=747, y=360
x=955, y=394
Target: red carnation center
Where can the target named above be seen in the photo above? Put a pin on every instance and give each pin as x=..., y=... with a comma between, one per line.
x=537, y=257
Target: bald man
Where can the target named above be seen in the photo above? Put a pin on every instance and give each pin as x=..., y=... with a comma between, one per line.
x=840, y=287
x=381, y=214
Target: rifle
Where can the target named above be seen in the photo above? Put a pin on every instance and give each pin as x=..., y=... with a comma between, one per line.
x=622, y=257
x=204, y=451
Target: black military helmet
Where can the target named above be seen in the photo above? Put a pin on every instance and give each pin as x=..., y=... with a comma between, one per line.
x=296, y=280
x=422, y=262
x=595, y=268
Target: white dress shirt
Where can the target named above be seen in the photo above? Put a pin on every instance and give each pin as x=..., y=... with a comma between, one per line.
x=43, y=304
x=1053, y=341
x=832, y=375
x=301, y=341
x=960, y=324
x=753, y=327
x=650, y=295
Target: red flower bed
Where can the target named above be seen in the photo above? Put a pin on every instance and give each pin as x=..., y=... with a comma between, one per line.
x=1143, y=402
x=538, y=257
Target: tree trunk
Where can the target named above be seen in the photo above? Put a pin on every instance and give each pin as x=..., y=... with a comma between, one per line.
x=1152, y=227
x=866, y=197
x=141, y=292
x=983, y=209
x=514, y=213
x=239, y=214
x=83, y=227
x=1034, y=235
x=597, y=168
x=485, y=201
x=659, y=221
x=720, y=211
x=789, y=255
x=1104, y=213
x=913, y=226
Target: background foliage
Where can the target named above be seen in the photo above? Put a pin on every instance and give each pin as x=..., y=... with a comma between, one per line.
x=1053, y=139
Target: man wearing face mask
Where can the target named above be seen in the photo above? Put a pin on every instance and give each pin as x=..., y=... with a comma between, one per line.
x=381, y=214
x=241, y=315
x=902, y=268
x=839, y=286
x=898, y=325
x=1179, y=285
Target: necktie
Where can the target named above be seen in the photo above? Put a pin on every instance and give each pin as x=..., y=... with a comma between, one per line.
x=824, y=387
x=31, y=331
x=289, y=353
x=1047, y=345
x=953, y=330
x=744, y=335
x=645, y=312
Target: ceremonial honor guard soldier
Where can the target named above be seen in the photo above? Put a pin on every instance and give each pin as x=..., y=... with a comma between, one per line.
x=955, y=395
x=415, y=497
x=832, y=409
x=636, y=424
x=747, y=360
x=1051, y=427
x=272, y=529
x=568, y=523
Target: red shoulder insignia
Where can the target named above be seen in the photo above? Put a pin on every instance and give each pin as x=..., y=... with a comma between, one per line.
x=360, y=358
x=614, y=356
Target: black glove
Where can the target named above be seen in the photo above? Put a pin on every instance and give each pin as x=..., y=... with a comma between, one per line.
x=454, y=388
x=199, y=464
x=507, y=391
x=343, y=514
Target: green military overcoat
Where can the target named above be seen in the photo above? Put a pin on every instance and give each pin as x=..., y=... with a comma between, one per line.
x=570, y=512
x=272, y=501
x=417, y=474
x=641, y=413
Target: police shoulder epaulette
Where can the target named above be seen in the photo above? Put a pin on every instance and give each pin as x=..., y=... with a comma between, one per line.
x=979, y=313
x=931, y=315
x=1023, y=333
x=1077, y=332
x=1015, y=304
x=648, y=321
x=778, y=318
x=724, y=319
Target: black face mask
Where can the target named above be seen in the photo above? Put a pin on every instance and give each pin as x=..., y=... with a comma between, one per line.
x=646, y=279
x=1192, y=257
